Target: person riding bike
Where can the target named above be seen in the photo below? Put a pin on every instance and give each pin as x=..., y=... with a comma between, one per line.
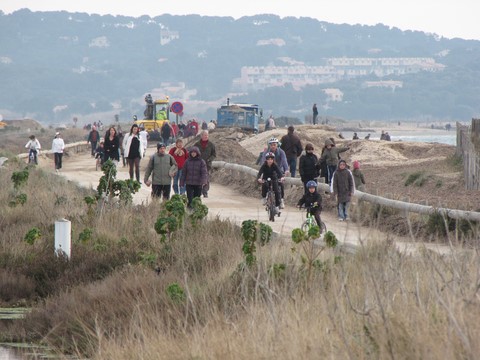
x=312, y=201
x=34, y=147
x=270, y=169
x=280, y=160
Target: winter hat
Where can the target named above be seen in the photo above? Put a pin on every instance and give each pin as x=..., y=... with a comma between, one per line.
x=356, y=164
x=342, y=161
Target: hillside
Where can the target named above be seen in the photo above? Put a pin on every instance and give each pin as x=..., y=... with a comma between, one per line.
x=57, y=65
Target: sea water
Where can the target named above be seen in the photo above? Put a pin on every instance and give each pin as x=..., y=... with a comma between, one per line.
x=447, y=137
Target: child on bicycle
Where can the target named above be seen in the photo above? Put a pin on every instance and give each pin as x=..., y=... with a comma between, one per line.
x=312, y=201
x=270, y=169
x=34, y=148
x=100, y=153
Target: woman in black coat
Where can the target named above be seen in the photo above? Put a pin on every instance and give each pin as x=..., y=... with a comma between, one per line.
x=308, y=166
x=112, y=146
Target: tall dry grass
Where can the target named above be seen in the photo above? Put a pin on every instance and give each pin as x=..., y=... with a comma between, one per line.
x=108, y=302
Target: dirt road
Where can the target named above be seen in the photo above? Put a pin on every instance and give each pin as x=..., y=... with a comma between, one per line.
x=226, y=204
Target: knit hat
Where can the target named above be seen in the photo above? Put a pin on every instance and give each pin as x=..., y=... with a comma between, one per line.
x=356, y=164
x=342, y=161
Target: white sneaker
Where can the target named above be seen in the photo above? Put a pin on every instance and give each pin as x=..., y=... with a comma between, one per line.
x=277, y=210
x=282, y=204
x=340, y=219
x=264, y=201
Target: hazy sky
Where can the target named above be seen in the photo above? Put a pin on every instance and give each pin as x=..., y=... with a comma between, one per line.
x=449, y=18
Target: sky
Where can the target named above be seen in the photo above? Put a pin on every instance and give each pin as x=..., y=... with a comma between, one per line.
x=448, y=18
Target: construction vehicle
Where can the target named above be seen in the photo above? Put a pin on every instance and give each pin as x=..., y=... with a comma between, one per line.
x=156, y=113
x=244, y=116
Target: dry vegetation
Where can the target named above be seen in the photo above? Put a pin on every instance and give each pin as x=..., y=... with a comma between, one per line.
x=114, y=299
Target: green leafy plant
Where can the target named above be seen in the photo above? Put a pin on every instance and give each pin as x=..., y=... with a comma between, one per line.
x=176, y=293
x=85, y=235
x=32, y=235
x=110, y=187
x=253, y=232
x=199, y=211
x=165, y=225
x=309, y=251
x=20, y=178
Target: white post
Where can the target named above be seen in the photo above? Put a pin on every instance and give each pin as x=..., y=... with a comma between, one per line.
x=63, y=237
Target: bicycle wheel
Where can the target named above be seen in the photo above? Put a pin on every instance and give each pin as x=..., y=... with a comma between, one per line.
x=305, y=227
x=97, y=165
x=323, y=228
x=271, y=206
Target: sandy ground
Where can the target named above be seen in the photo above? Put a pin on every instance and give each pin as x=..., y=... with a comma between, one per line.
x=226, y=204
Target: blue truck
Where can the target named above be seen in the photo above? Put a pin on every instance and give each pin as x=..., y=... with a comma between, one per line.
x=244, y=116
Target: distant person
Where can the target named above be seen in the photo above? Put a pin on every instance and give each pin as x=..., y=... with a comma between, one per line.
x=341, y=136
x=308, y=167
x=387, y=136
x=180, y=154
x=163, y=168
x=367, y=137
x=58, y=146
x=270, y=123
x=166, y=132
x=148, y=113
x=194, y=175
x=358, y=177
x=100, y=153
x=315, y=114
x=383, y=136
x=343, y=188
x=207, y=153
x=211, y=125
x=448, y=127
x=112, y=146
x=291, y=144
x=204, y=125
x=133, y=151
x=280, y=160
x=93, y=138
x=355, y=136
x=34, y=148
x=144, y=136
x=161, y=114
x=331, y=156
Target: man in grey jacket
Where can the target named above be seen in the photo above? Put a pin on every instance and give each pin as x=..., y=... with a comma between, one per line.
x=162, y=167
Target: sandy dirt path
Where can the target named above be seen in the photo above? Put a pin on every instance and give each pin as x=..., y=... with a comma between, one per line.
x=226, y=204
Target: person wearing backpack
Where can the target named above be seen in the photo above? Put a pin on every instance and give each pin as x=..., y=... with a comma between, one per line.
x=163, y=168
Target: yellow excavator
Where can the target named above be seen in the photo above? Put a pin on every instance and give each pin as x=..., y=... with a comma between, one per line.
x=155, y=114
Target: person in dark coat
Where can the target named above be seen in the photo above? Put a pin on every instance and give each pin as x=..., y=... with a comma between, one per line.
x=208, y=153
x=331, y=155
x=308, y=167
x=312, y=201
x=112, y=146
x=194, y=175
x=315, y=114
x=343, y=188
x=93, y=139
x=292, y=146
x=270, y=170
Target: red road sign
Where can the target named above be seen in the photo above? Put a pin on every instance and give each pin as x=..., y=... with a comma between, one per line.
x=176, y=107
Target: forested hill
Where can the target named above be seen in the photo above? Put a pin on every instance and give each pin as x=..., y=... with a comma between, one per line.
x=56, y=65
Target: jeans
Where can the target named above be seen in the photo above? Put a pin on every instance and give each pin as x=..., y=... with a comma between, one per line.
x=94, y=147
x=343, y=210
x=331, y=170
x=177, y=189
x=292, y=164
x=134, y=163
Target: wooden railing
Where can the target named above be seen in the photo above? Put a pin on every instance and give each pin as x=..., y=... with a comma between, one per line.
x=467, y=149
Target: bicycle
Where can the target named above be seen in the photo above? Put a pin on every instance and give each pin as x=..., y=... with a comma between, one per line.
x=310, y=221
x=32, y=157
x=270, y=201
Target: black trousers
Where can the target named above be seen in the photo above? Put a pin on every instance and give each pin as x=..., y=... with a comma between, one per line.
x=193, y=191
x=161, y=190
x=58, y=160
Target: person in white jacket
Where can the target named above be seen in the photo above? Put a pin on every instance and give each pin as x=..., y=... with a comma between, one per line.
x=34, y=149
x=133, y=151
x=58, y=146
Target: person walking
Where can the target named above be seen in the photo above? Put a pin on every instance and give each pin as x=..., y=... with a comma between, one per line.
x=112, y=146
x=292, y=146
x=133, y=151
x=162, y=167
x=208, y=153
x=143, y=139
x=315, y=114
x=58, y=146
x=194, y=175
x=343, y=188
x=358, y=177
x=331, y=157
x=308, y=167
x=180, y=154
x=33, y=146
x=166, y=132
x=93, y=138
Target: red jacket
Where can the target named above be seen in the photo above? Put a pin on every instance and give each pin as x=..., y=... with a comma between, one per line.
x=180, y=159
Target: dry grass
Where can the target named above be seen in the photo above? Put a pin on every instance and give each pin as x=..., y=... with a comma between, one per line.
x=109, y=303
